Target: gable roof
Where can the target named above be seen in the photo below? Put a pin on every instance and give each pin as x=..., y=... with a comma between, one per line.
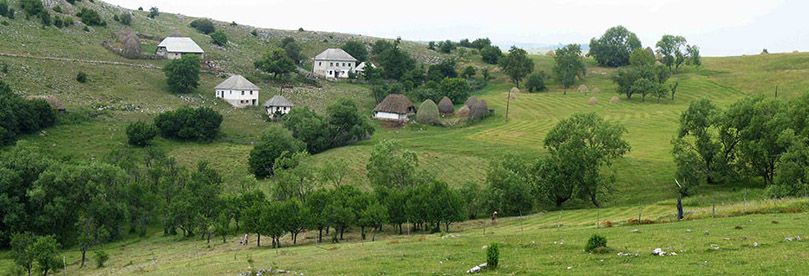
x=237, y=82
x=180, y=45
x=335, y=54
x=278, y=100
x=395, y=103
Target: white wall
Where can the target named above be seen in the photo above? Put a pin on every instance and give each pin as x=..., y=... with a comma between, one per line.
x=284, y=110
x=389, y=116
x=235, y=97
x=332, y=69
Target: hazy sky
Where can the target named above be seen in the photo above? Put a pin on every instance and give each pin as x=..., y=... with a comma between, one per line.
x=719, y=27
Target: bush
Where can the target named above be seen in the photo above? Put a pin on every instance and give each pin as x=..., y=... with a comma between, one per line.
x=125, y=18
x=493, y=256
x=185, y=123
x=140, y=134
x=595, y=242
x=203, y=25
x=3, y=8
x=275, y=142
x=101, y=258
x=90, y=17
x=182, y=75
x=219, y=38
x=81, y=77
x=535, y=82
x=153, y=12
x=428, y=113
x=20, y=116
x=456, y=89
x=491, y=54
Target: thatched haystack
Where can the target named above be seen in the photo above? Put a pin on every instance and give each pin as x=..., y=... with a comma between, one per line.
x=479, y=111
x=592, y=101
x=445, y=106
x=595, y=90
x=615, y=100
x=583, y=89
x=472, y=101
x=428, y=113
x=463, y=111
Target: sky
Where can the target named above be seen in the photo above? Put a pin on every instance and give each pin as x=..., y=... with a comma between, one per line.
x=719, y=27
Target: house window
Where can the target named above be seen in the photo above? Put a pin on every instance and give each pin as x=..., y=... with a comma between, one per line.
x=319, y=64
x=251, y=92
x=331, y=63
x=242, y=93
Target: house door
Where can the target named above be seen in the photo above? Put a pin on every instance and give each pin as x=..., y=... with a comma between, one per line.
x=254, y=102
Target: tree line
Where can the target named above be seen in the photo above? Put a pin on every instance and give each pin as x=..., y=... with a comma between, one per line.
x=755, y=138
x=20, y=116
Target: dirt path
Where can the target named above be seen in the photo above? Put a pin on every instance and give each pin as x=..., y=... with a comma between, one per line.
x=115, y=63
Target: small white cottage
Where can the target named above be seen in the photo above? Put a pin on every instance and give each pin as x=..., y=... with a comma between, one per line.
x=278, y=105
x=333, y=63
x=238, y=91
x=395, y=107
x=361, y=67
x=176, y=47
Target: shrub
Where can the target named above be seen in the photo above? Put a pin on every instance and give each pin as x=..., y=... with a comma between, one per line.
x=596, y=241
x=445, y=106
x=19, y=116
x=182, y=75
x=491, y=54
x=81, y=77
x=32, y=7
x=535, y=82
x=203, y=25
x=153, y=12
x=3, y=8
x=254, y=32
x=90, y=17
x=456, y=89
x=140, y=134
x=101, y=258
x=125, y=18
x=428, y=113
x=185, y=123
x=219, y=38
x=493, y=256
x=275, y=142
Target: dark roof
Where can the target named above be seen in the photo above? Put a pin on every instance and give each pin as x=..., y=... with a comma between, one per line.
x=395, y=103
x=336, y=54
x=237, y=82
x=278, y=100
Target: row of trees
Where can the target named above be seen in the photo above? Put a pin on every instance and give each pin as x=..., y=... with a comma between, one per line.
x=186, y=123
x=615, y=47
x=755, y=137
x=22, y=116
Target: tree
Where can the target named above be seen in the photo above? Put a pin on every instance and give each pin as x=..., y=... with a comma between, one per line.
x=641, y=57
x=517, y=65
x=182, y=75
x=791, y=177
x=394, y=62
x=274, y=142
x=456, y=89
x=185, y=123
x=219, y=38
x=294, y=217
x=153, y=12
x=672, y=49
x=472, y=198
x=548, y=176
x=125, y=18
x=481, y=43
x=203, y=25
x=44, y=250
x=614, y=47
x=21, y=250
x=583, y=144
x=535, y=82
x=140, y=133
x=569, y=65
x=90, y=17
x=428, y=113
x=374, y=216
x=390, y=166
x=692, y=51
x=346, y=123
x=356, y=49
x=295, y=177
x=696, y=144
x=440, y=71
x=508, y=190
x=276, y=62
x=316, y=202
x=469, y=72
x=642, y=79
x=760, y=122
x=310, y=128
x=446, y=46
x=491, y=54
x=292, y=49
x=333, y=172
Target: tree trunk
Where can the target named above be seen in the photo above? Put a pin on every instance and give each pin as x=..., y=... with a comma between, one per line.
x=595, y=200
x=362, y=232
x=320, y=235
x=258, y=240
x=83, y=257
x=342, y=230
x=680, y=206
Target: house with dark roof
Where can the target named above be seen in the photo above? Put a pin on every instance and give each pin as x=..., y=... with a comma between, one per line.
x=333, y=63
x=175, y=47
x=395, y=107
x=238, y=91
x=278, y=106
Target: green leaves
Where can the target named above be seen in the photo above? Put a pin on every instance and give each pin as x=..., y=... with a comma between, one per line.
x=517, y=65
x=614, y=47
x=182, y=75
x=569, y=65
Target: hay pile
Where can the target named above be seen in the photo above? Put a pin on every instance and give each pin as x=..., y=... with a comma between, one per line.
x=445, y=106
x=428, y=113
x=583, y=89
x=592, y=101
x=615, y=100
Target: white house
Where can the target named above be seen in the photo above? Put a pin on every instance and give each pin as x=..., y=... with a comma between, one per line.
x=361, y=67
x=175, y=47
x=238, y=91
x=333, y=63
x=395, y=107
x=278, y=105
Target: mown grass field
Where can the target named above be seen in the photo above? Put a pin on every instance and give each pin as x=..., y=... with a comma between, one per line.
x=546, y=243
x=644, y=178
